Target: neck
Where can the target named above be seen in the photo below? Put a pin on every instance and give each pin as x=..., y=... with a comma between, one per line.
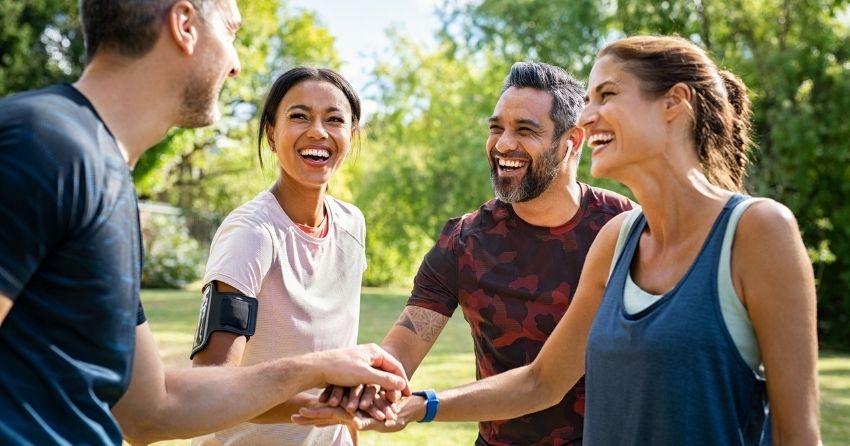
x=132, y=100
x=674, y=204
x=303, y=205
x=555, y=206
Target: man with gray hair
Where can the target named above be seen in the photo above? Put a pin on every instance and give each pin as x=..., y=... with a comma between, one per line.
x=72, y=329
x=512, y=265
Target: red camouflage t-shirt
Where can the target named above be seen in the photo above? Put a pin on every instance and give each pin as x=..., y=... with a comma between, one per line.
x=513, y=282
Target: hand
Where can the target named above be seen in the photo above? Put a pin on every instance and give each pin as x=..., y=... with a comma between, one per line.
x=329, y=416
x=410, y=409
x=363, y=364
x=376, y=402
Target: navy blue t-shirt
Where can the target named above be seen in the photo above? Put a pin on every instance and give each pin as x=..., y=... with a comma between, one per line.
x=70, y=260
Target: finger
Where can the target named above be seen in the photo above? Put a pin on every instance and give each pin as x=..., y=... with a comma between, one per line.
x=376, y=412
x=354, y=399
x=325, y=413
x=336, y=396
x=368, y=397
x=392, y=395
x=383, y=408
x=298, y=419
x=326, y=394
x=393, y=375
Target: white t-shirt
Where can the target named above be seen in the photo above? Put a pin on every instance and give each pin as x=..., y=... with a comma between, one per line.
x=308, y=290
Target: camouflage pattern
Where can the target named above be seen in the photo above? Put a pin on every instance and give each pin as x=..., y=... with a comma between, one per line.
x=513, y=282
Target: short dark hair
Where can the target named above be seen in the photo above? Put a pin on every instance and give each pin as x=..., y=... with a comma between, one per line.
x=293, y=77
x=567, y=92
x=128, y=27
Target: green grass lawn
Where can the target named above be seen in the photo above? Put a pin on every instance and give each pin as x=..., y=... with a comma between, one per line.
x=172, y=317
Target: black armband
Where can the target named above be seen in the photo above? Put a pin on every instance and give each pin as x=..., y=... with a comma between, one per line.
x=230, y=312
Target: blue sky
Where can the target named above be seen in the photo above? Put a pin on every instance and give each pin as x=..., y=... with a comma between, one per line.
x=359, y=27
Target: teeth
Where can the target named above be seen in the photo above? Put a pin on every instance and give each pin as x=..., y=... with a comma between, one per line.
x=510, y=163
x=321, y=153
x=603, y=138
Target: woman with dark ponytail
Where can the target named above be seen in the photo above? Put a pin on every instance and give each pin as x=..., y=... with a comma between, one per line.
x=694, y=319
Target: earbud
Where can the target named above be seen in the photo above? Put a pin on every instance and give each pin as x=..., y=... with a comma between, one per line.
x=569, y=144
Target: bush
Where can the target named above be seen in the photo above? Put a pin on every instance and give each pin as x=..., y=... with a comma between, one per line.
x=172, y=257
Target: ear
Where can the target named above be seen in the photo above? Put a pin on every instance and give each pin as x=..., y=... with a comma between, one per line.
x=270, y=136
x=678, y=101
x=182, y=26
x=574, y=140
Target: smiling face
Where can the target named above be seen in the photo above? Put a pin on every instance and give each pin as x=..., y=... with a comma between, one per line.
x=312, y=133
x=624, y=127
x=524, y=160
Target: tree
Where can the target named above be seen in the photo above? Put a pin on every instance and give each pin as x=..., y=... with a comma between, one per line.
x=792, y=55
x=40, y=44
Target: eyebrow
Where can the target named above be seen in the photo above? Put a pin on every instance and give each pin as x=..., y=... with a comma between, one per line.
x=599, y=88
x=307, y=108
x=522, y=121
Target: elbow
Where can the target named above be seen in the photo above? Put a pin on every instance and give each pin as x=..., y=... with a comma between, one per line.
x=137, y=436
x=544, y=393
x=147, y=429
x=549, y=385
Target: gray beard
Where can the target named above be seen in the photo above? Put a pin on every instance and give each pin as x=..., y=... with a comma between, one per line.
x=535, y=181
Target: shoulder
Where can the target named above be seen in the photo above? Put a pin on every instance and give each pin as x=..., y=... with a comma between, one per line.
x=766, y=221
x=55, y=124
x=347, y=217
x=488, y=215
x=252, y=221
x=347, y=212
x=605, y=201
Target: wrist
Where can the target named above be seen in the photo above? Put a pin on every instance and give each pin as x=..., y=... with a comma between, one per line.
x=411, y=409
x=429, y=406
x=302, y=372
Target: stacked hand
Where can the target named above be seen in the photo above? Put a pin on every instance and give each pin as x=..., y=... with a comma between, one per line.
x=362, y=407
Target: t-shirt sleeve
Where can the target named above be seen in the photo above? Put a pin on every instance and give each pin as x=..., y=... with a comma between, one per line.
x=33, y=211
x=240, y=255
x=435, y=285
x=140, y=315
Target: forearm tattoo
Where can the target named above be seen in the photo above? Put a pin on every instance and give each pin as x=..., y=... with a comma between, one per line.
x=426, y=324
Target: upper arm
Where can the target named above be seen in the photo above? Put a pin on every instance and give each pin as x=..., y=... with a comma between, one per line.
x=5, y=306
x=413, y=335
x=223, y=348
x=33, y=215
x=779, y=295
x=147, y=387
x=431, y=303
x=560, y=363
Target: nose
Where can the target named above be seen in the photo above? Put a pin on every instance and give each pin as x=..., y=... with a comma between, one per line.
x=317, y=130
x=588, y=116
x=237, y=65
x=505, y=143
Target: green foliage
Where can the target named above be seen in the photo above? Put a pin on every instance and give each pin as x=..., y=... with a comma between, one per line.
x=40, y=44
x=172, y=257
x=425, y=160
x=791, y=53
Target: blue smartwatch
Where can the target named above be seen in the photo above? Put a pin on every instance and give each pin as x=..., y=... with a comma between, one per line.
x=431, y=404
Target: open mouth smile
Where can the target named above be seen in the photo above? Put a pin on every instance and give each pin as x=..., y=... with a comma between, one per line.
x=510, y=165
x=315, y=155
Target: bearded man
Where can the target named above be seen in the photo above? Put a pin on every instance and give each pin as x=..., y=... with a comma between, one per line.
x=512, y=265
